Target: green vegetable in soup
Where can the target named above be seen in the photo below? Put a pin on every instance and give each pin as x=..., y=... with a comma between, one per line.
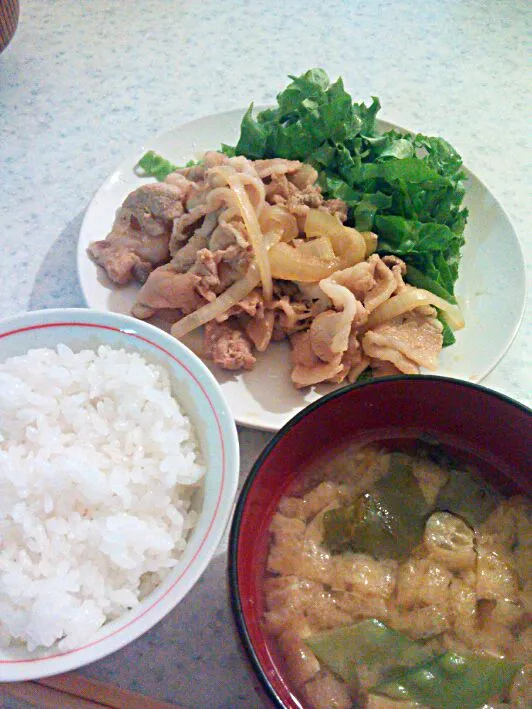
x=451, y=681
x=468, y=496
x=386, y=522
x=369, y=643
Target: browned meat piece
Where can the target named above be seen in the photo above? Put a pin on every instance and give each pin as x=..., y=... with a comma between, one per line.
x=304, y=177
x=408, y=342
x=298, y=202
x=223, y=236
x=276, y=166
x=323, y=372
x=196, y=173
x=291, y=316
x=260, y=329
x=382, y=368
x=121, y=264
x=233, y=262
x=302, y=352
x=373, y=281
x=392, y=261
x=166, y=288
x=359, y=278
x=220, y=269
x=322, y=331
x=184, y=226
x=154, y=206
x=176, y=179
x=336, y=207
x=354, y=361
x=228, y=346
x=139, y=238
x=299, y=198
x=185, y=255
x=385, y=285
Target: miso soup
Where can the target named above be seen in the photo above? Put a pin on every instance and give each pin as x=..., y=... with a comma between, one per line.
x=400, y=578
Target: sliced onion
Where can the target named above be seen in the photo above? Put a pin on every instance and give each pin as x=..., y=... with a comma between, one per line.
x=318, y=222
x=349, y=246
x=370, y=239
x=276, y=218
x=414, y=298
x=320, y=248
x=289, y=264
x=256, y=240
x=234, y=294
x=337, y=325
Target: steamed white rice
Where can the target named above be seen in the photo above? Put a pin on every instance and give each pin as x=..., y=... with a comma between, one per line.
x=98, y=464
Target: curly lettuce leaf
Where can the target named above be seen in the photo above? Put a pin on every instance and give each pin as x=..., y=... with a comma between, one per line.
x=407, y=188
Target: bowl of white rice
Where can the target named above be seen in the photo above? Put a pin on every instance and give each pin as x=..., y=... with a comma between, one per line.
x=118, y=472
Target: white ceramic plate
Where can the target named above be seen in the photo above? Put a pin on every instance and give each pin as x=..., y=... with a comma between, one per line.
x=490, y=290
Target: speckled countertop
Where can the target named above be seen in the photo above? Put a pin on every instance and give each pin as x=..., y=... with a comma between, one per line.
x=83, y=83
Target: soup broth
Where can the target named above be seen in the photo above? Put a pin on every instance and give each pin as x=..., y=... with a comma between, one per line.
x=399, y=577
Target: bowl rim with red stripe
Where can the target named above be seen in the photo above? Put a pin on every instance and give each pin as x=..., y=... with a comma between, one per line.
x=479, y=425
x=202, y=400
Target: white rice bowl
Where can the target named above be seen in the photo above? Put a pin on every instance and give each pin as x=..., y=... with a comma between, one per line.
x=108, y=509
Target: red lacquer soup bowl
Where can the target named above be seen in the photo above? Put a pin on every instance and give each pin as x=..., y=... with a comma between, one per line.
x=480, y=426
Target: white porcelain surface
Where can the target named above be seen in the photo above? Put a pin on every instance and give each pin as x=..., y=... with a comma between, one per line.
x=84, y=84
x=490, y=290
x=201, y=399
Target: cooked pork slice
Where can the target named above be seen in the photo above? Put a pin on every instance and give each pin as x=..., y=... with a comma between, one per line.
x=176, y=179
x=291, y=315
x=305, y=176
x=390, y=260
x=260, y=330
x=223, y=236
x=233, y=262
x=184, y=226
x=139, y=238
x=354, y=361
x=155, y=205
x=196, y=173
x=167, y=288
x=277, y=166
x=374, y=348
x=360, y=278
x=302, y=352
x=323, y=372
x=120, y=261
x=408, y=342
x=385, y=286
x=323, y=331
x=206, y=267
x=228, y=346
x=336, y=207
x=383, y=368
x=251, y=305
x=185, y=257
x=309, y=369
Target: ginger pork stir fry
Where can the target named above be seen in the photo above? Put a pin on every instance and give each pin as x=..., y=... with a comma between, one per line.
x=252, y=251
x=395, y=581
